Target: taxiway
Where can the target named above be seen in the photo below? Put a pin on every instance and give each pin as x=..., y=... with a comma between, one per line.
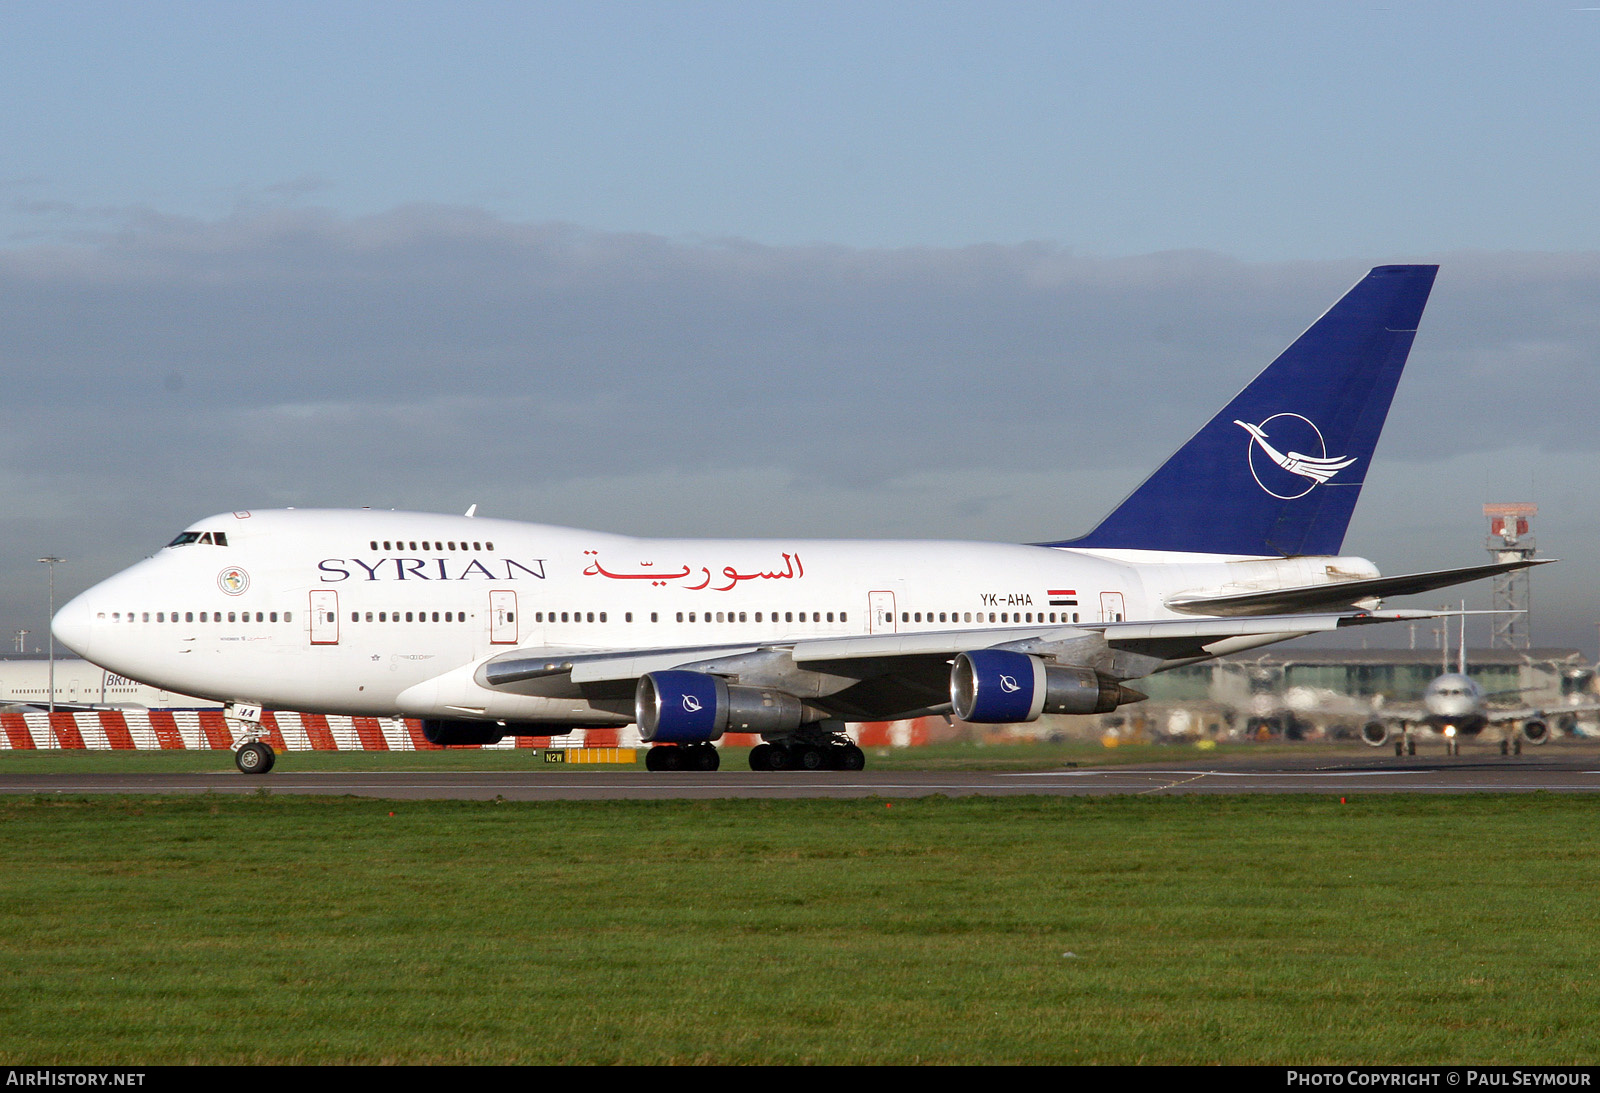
x=1557, y=773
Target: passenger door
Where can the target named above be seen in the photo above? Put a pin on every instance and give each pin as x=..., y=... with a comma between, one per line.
x=880, y=613
x=324, y=617
x=502, y=617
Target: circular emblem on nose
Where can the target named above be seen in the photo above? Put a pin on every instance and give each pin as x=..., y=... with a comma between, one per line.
x=233, y=580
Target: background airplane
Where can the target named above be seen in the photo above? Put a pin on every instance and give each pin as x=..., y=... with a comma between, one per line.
x=79, y=685
x=1455, y=705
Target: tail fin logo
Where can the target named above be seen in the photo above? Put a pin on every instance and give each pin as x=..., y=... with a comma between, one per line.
x=1287, y=476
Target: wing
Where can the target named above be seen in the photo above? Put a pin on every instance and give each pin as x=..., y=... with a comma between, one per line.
x=1397, y=715
x=1539, y=713
x=885, y=676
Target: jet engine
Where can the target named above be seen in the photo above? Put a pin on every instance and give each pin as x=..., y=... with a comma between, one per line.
x=456, y=733
x=999, y=686
x=1536, y=732
x=681, y=707
x=1375, y=733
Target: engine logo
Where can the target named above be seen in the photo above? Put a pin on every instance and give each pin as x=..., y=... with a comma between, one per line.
x=233, y=581
x=691, y=704
x=1009, y=684
x=1291, y=474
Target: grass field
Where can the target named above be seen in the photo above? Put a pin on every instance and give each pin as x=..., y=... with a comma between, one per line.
x=1195, y=929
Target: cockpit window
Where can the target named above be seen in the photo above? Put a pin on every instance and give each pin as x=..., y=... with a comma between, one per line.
x=215, y=538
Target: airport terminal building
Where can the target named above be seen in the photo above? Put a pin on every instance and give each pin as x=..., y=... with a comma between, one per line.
x=1328, y=693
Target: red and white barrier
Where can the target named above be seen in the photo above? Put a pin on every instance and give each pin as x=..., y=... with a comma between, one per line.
x=198, y=730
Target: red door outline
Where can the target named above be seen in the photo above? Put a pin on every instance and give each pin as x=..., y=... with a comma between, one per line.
x=324, y=617
x=502, y=617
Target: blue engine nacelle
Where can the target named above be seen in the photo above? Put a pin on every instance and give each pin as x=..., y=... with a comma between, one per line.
x=998, y=686
x=680, y=707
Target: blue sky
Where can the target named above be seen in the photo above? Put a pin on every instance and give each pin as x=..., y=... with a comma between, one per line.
x=1261, y=130
x=737, y=268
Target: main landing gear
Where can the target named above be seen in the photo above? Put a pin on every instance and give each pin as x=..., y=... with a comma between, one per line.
x=839, y=753
x=683, y=757
x=804, y=755
x=1404, y=744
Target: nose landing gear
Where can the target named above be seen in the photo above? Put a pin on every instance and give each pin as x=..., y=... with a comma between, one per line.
x=255, y=755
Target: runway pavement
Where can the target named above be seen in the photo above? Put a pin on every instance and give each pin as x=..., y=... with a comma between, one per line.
x=1562, y=772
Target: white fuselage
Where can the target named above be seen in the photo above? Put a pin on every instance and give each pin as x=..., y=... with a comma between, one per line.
x=388, y=613
x=1457, y=702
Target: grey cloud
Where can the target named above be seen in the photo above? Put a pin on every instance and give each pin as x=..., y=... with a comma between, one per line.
x=434, y=356
x=689, y=348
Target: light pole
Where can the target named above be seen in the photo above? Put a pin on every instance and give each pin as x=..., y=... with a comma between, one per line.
x=51, y=560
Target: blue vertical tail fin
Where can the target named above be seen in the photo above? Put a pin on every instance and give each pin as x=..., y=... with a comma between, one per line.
x=1278, y=471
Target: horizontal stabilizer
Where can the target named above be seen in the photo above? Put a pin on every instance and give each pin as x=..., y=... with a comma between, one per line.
x=1339, y=594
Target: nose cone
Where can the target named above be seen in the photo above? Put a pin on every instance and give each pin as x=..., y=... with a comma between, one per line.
x=73, y=625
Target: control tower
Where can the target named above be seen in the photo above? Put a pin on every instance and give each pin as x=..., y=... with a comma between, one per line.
x=1511, y=540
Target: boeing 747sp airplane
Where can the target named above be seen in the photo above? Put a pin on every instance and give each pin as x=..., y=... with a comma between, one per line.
x=483, y=628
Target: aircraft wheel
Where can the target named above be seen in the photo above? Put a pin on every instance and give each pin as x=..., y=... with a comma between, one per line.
x=254, y=758
x=1517, y=747
x=761, y=757
x=780, y=757
x=706, y=758
x=661, y=759
x=1399, y=748
x=1505, y=747
x=1411, y=747
x=849, y=757
x=809, y=757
